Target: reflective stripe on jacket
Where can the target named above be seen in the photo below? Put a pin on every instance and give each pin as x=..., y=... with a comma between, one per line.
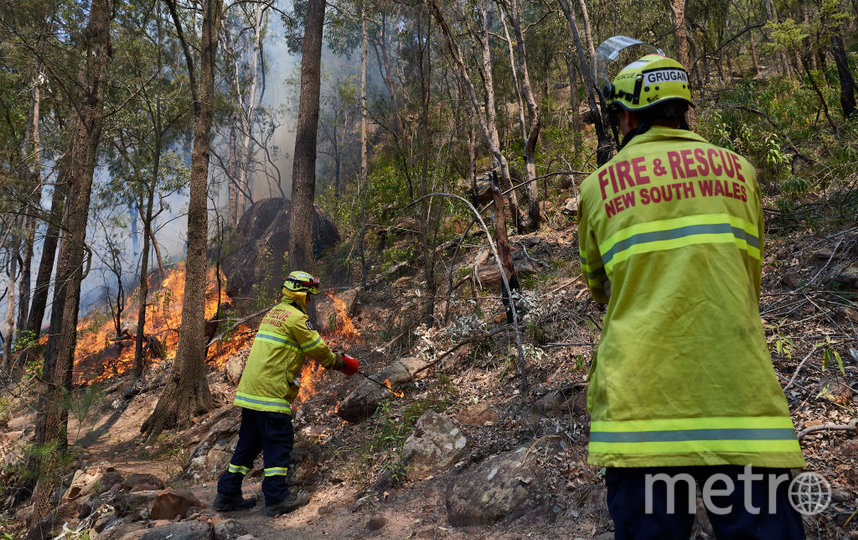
x=284, y=339
x=682, y=375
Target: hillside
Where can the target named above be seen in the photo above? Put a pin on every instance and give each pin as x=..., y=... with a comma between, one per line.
x=463, y=453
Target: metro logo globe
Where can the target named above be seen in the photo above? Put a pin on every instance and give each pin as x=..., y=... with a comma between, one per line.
x=809, y=493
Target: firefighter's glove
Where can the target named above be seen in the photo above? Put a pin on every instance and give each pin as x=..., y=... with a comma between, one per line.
x=345, y=363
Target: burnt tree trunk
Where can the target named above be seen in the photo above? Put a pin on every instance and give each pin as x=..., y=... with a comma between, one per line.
x=187, y=391
x=76, y=172
x=304, y=164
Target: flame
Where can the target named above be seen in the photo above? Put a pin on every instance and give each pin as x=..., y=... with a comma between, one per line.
x=346, y=330
x=101, y=354
x=342, y=334
x=392, y=391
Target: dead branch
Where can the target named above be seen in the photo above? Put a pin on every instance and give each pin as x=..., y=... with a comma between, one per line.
x=232, y=326
x=829, y=426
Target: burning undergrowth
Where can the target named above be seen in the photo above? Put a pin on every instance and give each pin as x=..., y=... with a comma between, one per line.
x=102, y=352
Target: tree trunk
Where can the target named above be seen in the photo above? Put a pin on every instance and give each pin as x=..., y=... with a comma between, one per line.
x=428, y=218
x=232, y=173
x=680, y=33
x=187, y=392
x=847, y=82
x=604, y=150
x=46, y=264
x=364, y=168
x=588, y=32
x=76, y=172
x=304, y=163
x=14, y=249
x=503, y=248
x=532, y=136
x=754, y=57
x=535, y=122
x=35, y=196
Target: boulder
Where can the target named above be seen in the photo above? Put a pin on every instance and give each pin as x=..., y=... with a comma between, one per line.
x=570, y=207
x=212, y=454
x=260, y=242
x=229, y=530
x=133, y=504
x=143, y=482
x=170, y=504
x=503, y=487
x=437, y=443
x=183, y=530
x=98, y=478
x=364, y=399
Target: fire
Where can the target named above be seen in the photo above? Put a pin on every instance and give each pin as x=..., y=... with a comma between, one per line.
x=392, y=391
x=344, y=333
x=347, y=330
x=101, y=354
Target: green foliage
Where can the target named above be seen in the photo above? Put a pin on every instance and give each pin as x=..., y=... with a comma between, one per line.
x=24, y=340
x=779, y=343
x=44, y=463
x=829, y=354
x=81, y=405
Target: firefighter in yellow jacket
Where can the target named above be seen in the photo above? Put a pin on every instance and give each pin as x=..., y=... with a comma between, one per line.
x=682, y=388
x=268, y=385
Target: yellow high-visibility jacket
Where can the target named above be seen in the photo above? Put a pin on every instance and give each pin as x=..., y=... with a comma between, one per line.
x=682, y=375
x=285, y=338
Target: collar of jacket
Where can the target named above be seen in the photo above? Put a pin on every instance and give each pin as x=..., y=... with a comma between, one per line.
x=661, y=133
x=297, y=299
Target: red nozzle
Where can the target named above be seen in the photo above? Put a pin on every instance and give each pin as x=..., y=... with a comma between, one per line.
x=351, y=366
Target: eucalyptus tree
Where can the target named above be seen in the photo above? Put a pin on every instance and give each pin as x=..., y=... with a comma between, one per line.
x=304, y=160
x=187, y=392
x=76, y=172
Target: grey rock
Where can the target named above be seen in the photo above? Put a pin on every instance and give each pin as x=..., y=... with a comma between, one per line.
x=364, y=399
x=128, y=504
x=502, y=487
x=229, y=530
x=436, y=444
x=183, y=530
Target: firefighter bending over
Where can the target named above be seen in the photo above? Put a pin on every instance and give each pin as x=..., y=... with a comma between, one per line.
x=268, y=386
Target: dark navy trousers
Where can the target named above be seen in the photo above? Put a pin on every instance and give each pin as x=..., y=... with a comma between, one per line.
x=673, y=504
x=267, y=432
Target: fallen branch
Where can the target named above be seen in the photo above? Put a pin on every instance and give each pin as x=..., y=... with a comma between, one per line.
x=581, y=344
x=829, y=426
x=800, y=364
x=236, y=323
